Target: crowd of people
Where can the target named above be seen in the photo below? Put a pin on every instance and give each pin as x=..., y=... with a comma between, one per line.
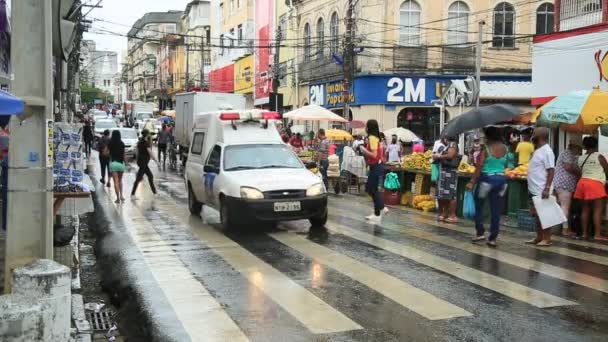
x=572, y=176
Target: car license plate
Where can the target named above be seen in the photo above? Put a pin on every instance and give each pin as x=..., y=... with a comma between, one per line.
x=287, y=206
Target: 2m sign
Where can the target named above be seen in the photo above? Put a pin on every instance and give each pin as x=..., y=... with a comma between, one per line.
x=404, y=90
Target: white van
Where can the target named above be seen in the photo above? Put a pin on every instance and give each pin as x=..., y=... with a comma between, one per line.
x=238, y=165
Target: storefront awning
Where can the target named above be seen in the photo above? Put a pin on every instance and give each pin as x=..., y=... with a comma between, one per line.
x=10, y=105
x=506, y=90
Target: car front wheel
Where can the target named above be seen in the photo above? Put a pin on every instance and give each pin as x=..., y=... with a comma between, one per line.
x=193, y=204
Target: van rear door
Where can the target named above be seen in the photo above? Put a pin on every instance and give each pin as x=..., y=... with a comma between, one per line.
x=196, y=162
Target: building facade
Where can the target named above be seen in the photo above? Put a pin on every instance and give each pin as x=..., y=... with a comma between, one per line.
x=144, y=45
x=410, y=54
x=99, y=68
x=196, y=50
x=232, y=57
x=573, y=58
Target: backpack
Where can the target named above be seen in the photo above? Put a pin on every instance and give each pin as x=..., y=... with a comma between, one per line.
x=103, y=148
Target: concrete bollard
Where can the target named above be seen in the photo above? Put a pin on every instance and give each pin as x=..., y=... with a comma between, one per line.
x=48, y=283
x=20, y=319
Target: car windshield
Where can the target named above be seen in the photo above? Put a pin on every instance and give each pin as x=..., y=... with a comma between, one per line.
x=267, y=156
x=144, y=116
x=105, y=124
x=128, y=134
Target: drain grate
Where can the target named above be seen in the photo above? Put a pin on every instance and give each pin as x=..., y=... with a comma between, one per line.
x=100, y=321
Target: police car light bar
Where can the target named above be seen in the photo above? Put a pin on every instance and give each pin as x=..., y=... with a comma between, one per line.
x=230, y=116
x=271, y=116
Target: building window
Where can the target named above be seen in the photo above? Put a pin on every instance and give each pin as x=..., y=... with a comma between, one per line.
x=458, y=23
x=231, y=37
x=320, y=38
x=504, y=26
x=593, y=6
x=231, y=6
x=221, y=11
x=239, y=33
x=238, y=3
x=409, y=19
x=334, y=32
x=545, y=18
x=307, y=42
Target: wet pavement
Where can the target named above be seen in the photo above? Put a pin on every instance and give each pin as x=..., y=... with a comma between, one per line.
x=408, y=279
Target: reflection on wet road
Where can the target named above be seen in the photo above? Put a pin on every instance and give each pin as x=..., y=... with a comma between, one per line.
x=408, y=279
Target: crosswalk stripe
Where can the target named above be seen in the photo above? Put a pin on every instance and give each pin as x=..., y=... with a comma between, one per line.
x=312, y=312
x=201, y=315
x=509, y=258
x=598, y=259
x=489, y=281
x=412, y=298
x=512, y=230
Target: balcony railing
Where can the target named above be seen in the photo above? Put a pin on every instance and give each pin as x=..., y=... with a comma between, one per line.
x=410, y=58
x=456, y=58
x=319, y=68
x=579, y=13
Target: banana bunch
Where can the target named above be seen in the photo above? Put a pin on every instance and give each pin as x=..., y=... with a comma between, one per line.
x=518, y=172
x=427, y=206
x=418, y=200
x=418, y=161
x=466, y=168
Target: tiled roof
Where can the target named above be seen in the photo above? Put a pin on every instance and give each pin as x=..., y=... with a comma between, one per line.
x=506, y=89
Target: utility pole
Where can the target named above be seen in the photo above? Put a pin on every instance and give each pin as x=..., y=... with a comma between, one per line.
x=276, y=69
x=478, y=61
x=30, y=176
x=187, y=66
x=348, y=67
x=202, y=61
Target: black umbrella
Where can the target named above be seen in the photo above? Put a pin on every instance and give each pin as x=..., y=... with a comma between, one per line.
x=480, y=117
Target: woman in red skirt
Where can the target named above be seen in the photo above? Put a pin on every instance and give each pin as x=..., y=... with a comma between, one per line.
x=591, y=187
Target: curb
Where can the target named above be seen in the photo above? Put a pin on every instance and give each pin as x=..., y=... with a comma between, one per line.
x=144, y=314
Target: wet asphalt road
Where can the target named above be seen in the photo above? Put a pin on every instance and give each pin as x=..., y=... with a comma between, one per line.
x=409, y=279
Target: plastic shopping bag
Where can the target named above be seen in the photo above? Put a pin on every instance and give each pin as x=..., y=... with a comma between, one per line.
x=391, y=181
x=468, y=208
x=434, y=173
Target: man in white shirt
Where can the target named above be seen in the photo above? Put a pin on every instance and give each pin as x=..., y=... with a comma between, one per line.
x=393, y=150
x=540, y=180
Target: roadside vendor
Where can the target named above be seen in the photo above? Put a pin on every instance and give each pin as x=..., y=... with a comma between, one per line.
x=296, y=142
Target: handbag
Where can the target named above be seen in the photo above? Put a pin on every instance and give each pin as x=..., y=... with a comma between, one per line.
x=468, y=208
x=391, y=181
x=434, y=172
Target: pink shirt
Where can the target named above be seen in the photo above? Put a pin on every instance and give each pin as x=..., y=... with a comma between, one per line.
x=418, y=148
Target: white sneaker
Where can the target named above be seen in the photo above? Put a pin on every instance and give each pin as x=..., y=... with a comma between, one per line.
x=369, y=217
x=385, y=210
x=375, y=219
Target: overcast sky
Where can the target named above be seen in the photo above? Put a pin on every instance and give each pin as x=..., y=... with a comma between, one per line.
x=125, y=13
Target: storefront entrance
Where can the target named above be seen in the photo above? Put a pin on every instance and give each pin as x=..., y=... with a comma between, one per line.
x=423, y=121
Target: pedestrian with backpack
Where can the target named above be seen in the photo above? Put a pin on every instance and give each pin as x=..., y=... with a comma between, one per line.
x=144, y=154
x=103, y=147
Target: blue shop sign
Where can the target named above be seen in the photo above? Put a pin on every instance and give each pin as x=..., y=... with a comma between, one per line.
x=389, y=90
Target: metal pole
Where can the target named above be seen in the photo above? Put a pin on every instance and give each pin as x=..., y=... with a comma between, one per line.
x=30, y=177
x=478, y=61
x=348, y=59
x=187, y=67
x=202, y=61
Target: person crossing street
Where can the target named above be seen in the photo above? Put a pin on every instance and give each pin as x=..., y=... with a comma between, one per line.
x=164, y=138
x=144, y=154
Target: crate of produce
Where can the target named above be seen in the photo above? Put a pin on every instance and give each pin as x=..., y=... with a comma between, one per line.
x=525, y=221
x=422, y=184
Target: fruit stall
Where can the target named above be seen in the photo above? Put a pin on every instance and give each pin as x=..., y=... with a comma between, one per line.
x=416, y=184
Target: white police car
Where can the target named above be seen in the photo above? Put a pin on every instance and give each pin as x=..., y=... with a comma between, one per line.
x=238, y=165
